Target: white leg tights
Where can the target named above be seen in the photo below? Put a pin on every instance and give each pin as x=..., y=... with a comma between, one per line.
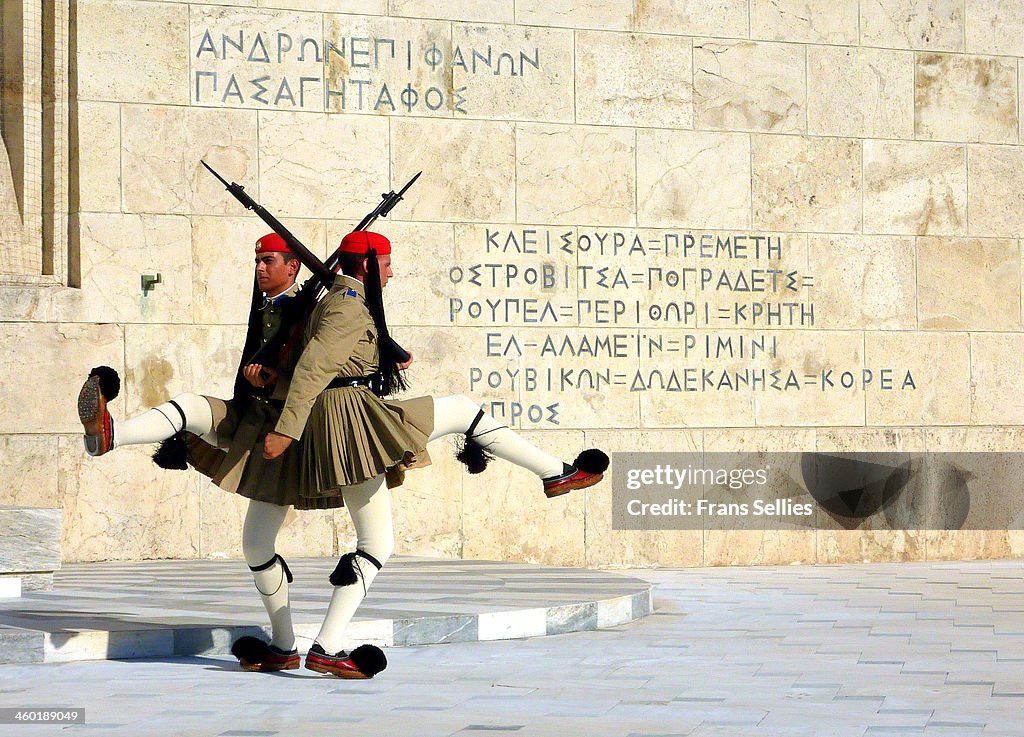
x=369, y=505
x=185, y=412
x=262, y=523
x=455, y=413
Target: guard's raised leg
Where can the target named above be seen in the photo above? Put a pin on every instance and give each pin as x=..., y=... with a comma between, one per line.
x=486, y=437
x=189, y=412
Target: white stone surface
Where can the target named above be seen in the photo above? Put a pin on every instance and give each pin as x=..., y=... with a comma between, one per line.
x=512, y=625
x=591, y=169
x=132, y=51
x=323, y=165
x=913, y=24
x=161, y=169
x=878, y=140
x=722, y=18
x=669, y=163
x=641, y=80
x=10, y=587
x=469, y=169
x=614, y=611
x=749, y=86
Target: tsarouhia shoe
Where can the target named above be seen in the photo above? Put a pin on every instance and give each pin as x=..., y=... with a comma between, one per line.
x=365, y=661
x=256, y=655
x=586, y=470
x=102, y=386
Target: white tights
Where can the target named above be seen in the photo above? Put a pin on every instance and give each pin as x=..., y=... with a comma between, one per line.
x=192, y=413
x=452, y=414
x=369, y=505
x=455, y=413
x=259, y=533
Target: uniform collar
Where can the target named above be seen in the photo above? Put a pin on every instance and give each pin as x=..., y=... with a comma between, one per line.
x=289, y=292
x=343, y=282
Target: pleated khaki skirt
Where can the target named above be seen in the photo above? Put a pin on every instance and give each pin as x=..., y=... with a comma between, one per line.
x=237, y=465
x=353, y=435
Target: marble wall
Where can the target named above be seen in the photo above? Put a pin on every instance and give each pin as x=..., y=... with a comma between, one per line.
x=615, y=193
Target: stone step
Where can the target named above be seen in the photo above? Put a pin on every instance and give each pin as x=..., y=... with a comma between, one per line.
x=30, y=539
x=153, y=609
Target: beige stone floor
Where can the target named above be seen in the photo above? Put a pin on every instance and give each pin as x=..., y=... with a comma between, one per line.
x=797, y=651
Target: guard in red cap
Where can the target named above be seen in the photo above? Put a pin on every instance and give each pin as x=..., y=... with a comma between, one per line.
x=225, y=441
x=353, y=440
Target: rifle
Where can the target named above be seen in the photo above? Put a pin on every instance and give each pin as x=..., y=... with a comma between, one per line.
x=297, y=309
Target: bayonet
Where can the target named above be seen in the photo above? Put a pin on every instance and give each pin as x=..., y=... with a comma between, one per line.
x=303, y=302
x=308, y=259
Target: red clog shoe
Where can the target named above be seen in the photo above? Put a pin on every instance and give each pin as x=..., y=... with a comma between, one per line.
x=365, y=661
x=102, y=386
x=586, y=470
x=262, y=657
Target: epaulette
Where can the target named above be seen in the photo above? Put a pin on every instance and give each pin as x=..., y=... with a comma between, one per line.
x=350, y=292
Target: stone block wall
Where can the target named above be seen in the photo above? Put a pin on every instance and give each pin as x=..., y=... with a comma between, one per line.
x=618, y=196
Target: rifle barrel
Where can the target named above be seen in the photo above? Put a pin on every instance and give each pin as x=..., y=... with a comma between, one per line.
x=308, y=259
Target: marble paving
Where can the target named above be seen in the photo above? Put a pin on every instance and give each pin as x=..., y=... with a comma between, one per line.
x=174, y=608
x=798, y=651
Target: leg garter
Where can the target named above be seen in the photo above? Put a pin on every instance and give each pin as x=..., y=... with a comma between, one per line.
x=347, y=571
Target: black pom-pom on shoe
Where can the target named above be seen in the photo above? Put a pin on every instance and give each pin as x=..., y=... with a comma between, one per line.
x=110, y=381
x=256, y=655
x=365, y=661
x=592, y=460
x=172, y=453
x=369, y=659
x=250, y=649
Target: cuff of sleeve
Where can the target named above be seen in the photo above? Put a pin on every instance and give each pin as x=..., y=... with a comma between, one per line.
x=289, y=424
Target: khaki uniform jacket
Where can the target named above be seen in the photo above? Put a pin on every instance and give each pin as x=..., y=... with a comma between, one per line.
x=348, y=435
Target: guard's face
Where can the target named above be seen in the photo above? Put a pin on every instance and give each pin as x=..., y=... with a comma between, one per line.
x=385, y=269
x=274, y=274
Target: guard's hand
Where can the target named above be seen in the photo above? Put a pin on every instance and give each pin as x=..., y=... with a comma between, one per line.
x=275, y=445
x=405, y=365
x=260, y=376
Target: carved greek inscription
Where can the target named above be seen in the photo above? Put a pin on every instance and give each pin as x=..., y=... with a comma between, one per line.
x=259, y=67
x=604, y=311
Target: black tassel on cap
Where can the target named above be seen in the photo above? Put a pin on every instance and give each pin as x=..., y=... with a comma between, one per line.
x=369, y=659
x=110, y=382
x=388, y=356
x=172, y=453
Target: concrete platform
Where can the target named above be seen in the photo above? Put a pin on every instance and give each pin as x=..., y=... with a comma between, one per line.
x=878, y=650
x=156, y=609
